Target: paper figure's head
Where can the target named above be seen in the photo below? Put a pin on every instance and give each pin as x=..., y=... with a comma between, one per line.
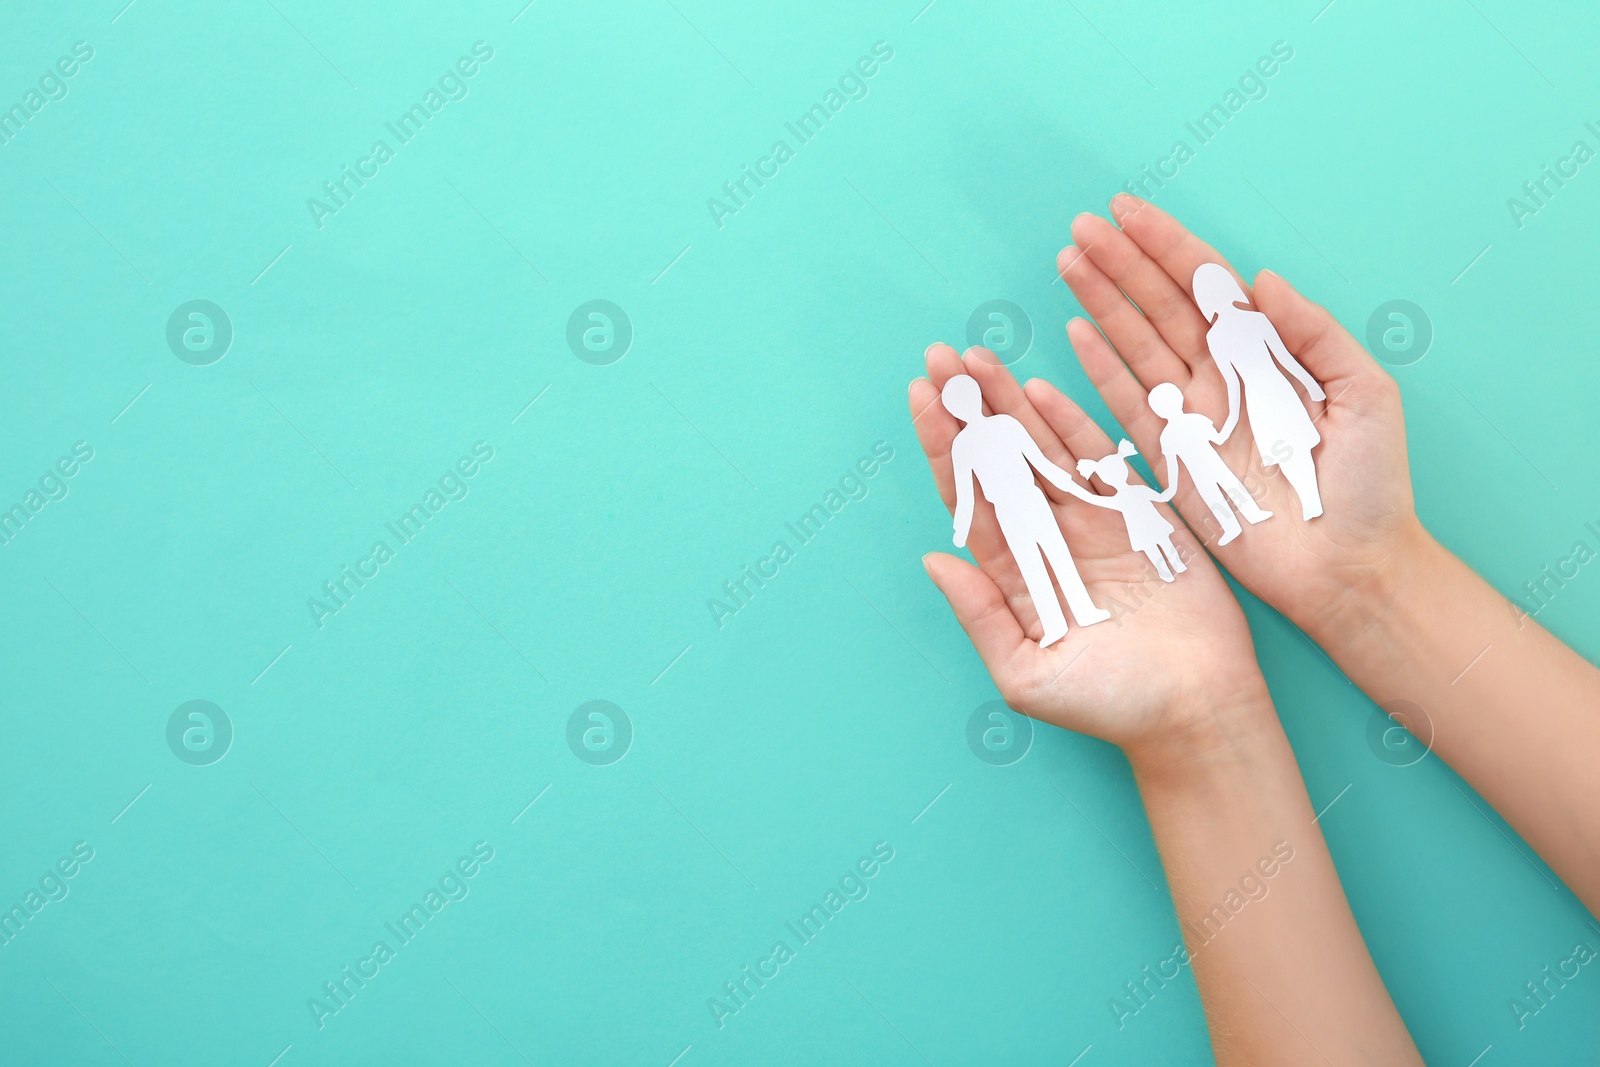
x=1113, y=469
x=1166, y=400
x=1215, y=291
x=962, y=397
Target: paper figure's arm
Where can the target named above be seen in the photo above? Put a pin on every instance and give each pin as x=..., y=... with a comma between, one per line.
x=1289, y=363
x=1172, y=479
x=964, y=500
x=1230, y=378
x=1058, y=476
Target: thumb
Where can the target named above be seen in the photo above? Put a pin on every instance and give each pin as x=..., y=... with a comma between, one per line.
x=1324, y=347
x=982, y=611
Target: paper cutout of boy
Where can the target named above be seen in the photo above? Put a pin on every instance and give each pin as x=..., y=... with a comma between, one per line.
x=1192, y=438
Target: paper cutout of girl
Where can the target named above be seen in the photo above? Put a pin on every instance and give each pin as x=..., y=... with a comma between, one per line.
x=1249, y=353
x=1148, y=530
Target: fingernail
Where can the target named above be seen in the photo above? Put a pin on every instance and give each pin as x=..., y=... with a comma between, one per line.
x=925, y=564
x=1124, y=204
x=926, y=352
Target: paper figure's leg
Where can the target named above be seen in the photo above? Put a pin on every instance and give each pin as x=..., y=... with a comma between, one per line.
x=1172, y=554
x=1301, y=470
x=1153, y=554
x=1217, y=501
x=1031, y=563
x=1252, y=512
x=1077, y=594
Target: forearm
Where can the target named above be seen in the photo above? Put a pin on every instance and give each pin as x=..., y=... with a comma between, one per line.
x=1282, y=969
x=1511, y=708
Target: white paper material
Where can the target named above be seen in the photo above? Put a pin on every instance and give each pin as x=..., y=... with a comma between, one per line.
x=1148, y=530
x=1253, y=359
x=997, y=451
x=1191, y=439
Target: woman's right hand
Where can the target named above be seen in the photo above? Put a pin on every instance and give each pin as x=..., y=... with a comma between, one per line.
x=1322, y=574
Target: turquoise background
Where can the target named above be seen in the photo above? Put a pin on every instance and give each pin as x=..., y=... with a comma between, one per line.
x=769, y=355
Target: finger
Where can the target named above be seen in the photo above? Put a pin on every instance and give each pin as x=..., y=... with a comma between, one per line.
x=936, y=428
x=1081, y=434
x=1164, y=240
x=1127, y=328
x=983, y=613
x=944, y=363
x=1084, y=436
x=1125, y=397
x=1005, y=396
x=1129, y=404
x=1323, y=347
x=1165, y=303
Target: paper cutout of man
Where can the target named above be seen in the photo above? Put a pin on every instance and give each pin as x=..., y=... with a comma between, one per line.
x=997, y=451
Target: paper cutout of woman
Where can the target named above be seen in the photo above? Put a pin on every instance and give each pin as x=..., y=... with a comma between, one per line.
x=1249, y=353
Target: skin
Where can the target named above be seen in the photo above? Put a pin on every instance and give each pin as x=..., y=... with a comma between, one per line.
x=1510, y=707
x=1172, y=678
x=1286, y=978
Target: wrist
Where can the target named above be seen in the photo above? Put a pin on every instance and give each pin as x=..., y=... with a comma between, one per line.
x=1206, y=730
x=1363, y=598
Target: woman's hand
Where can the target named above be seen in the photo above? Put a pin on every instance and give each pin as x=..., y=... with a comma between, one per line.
x=1171, y=676
x=1401, y=617
x=1324, y=573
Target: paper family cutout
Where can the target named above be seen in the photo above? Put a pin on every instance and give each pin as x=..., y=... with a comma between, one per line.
x=999, y=453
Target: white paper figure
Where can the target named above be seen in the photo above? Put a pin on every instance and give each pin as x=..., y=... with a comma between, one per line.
x=999, y=453
x=1248, y=351
x=1148, y=530
x=1192, y=439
